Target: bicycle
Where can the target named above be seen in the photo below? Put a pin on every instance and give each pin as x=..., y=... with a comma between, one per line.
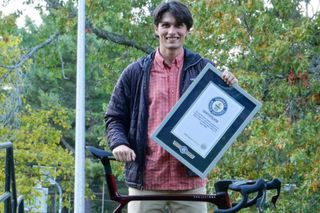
x=220, y=198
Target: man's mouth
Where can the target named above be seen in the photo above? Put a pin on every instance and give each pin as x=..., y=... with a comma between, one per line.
x=172, y=38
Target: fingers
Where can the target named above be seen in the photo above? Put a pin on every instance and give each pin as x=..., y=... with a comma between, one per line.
x=229, y=78
x=124, y=154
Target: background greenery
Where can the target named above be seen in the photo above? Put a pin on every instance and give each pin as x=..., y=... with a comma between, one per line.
x=274, y=51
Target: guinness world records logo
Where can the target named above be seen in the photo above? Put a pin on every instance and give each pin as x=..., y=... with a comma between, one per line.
x=218, y=106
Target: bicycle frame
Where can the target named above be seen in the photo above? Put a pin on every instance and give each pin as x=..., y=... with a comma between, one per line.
x=221, y=198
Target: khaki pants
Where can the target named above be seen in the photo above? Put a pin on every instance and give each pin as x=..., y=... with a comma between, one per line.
x=158, y=206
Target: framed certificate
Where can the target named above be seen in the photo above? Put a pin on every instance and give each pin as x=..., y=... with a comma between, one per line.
x=205, y=121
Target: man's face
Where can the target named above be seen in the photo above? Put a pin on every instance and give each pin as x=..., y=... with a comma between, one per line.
x=171, y=35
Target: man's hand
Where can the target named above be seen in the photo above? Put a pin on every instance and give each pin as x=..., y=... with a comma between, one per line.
x=124, y=153
x=229, y=78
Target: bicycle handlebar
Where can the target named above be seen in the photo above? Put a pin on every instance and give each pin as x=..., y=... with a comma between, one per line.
x=244, y=188
x=100, y=154
x=248, y=187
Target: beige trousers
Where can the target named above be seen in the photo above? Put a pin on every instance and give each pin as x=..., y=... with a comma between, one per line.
x=173, y=206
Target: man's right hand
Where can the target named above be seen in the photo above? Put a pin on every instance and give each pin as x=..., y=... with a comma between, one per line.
x=124, y=153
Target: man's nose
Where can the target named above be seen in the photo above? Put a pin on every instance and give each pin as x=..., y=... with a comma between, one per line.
x=172, y=30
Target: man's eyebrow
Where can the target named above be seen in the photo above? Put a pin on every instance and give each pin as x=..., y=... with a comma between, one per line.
x=165, y=22
x=174, y=23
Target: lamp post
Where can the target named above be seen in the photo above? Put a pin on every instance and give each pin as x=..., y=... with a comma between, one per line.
x=79, y=183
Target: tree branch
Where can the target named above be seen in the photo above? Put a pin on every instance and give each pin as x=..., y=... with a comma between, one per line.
x=119, y=39
x=67, y=145
x=27, y=56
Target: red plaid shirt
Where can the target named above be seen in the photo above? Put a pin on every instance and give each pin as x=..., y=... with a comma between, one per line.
x=163, y=171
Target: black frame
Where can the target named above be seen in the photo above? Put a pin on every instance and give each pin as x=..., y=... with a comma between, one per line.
x=183, y=152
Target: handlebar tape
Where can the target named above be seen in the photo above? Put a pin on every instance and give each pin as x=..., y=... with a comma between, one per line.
x=241, y=187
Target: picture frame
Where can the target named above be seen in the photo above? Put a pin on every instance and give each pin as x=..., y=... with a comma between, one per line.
x=205, y=121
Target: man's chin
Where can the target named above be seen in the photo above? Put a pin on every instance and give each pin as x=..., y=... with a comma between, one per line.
x=174, y=47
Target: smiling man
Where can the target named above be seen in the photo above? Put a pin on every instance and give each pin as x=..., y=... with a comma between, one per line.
x=143, y=96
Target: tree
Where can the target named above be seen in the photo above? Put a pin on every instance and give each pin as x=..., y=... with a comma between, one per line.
x=36, y=133
x=273, y=50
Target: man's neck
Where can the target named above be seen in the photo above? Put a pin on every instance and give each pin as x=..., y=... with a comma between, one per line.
x=170, y=55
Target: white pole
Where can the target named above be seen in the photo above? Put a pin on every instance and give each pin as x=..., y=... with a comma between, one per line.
x=79, y=183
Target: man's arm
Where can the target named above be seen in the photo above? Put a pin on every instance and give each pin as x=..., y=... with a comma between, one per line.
x=117, y=120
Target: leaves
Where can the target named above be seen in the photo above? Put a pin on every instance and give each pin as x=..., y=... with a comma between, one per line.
x=274, y=51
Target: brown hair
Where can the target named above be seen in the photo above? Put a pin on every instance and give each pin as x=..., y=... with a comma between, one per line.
x=179, y=11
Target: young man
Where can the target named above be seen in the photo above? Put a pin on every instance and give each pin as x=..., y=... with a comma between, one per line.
x=143, y=95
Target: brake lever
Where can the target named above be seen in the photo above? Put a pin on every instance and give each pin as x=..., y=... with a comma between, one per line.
x=274, y=184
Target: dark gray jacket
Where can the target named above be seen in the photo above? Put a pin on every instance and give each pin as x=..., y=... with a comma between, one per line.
x=127, y=116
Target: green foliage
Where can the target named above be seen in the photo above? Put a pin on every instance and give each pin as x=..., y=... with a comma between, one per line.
x=37, y=144
x=274, y=51
x=283, y=139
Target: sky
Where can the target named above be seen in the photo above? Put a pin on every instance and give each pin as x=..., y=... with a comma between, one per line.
x=28, y=10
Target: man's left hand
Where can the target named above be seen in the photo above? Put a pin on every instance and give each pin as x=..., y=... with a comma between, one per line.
x=229, y=78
